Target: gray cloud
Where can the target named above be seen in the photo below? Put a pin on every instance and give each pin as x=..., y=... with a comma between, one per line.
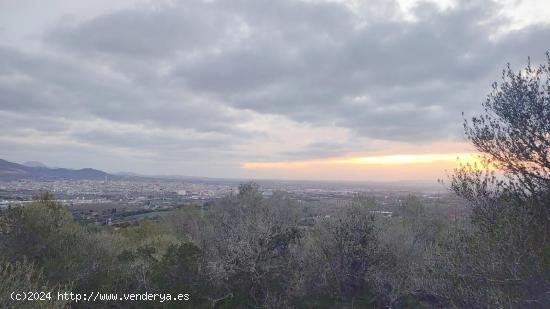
x=157, y=140
x=202, y=66
x=438, y=66
x=150, y=32
x=18, y=124
x=321, y=150
x=52, y=85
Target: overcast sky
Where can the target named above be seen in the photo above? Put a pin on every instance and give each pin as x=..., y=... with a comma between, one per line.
x=218, y=88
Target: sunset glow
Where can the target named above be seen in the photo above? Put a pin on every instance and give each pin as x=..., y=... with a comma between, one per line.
x=406, y=159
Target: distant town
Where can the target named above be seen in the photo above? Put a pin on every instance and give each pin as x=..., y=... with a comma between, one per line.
x=126, y=201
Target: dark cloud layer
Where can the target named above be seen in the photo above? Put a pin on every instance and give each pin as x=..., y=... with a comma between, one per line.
x=205, y=66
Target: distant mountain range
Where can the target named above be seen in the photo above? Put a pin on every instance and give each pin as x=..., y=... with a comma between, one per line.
x=37, y=170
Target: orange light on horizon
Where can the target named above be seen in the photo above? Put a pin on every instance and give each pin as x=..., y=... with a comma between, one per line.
x=404, y=159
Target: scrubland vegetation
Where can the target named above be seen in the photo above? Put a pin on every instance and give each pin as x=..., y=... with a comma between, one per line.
x=248, y=251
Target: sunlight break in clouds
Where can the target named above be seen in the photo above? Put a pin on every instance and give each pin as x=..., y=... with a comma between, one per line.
x=374, y=160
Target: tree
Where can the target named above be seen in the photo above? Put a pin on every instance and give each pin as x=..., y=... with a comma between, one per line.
x=246, y=245
x=507, y=250
x=341, y=252
x=514, y=131
x=24, y=277
x=45, y=233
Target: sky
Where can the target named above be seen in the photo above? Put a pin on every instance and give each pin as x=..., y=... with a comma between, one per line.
x=287, y=89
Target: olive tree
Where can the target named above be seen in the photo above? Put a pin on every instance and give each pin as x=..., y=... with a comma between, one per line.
x=507, y=250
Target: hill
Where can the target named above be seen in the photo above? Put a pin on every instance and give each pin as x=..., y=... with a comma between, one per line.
x=10, y=171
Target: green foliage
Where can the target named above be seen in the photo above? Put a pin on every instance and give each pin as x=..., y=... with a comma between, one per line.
x=179, y=270
x=513, y=132
x=339, y=254
x=24, y=276
x=502, y=260
x=45, y=233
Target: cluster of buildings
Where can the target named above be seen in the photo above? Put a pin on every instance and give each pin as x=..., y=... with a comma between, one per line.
x=129, y=200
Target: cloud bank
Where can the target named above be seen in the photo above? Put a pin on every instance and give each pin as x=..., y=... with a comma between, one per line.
x=207, y=85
